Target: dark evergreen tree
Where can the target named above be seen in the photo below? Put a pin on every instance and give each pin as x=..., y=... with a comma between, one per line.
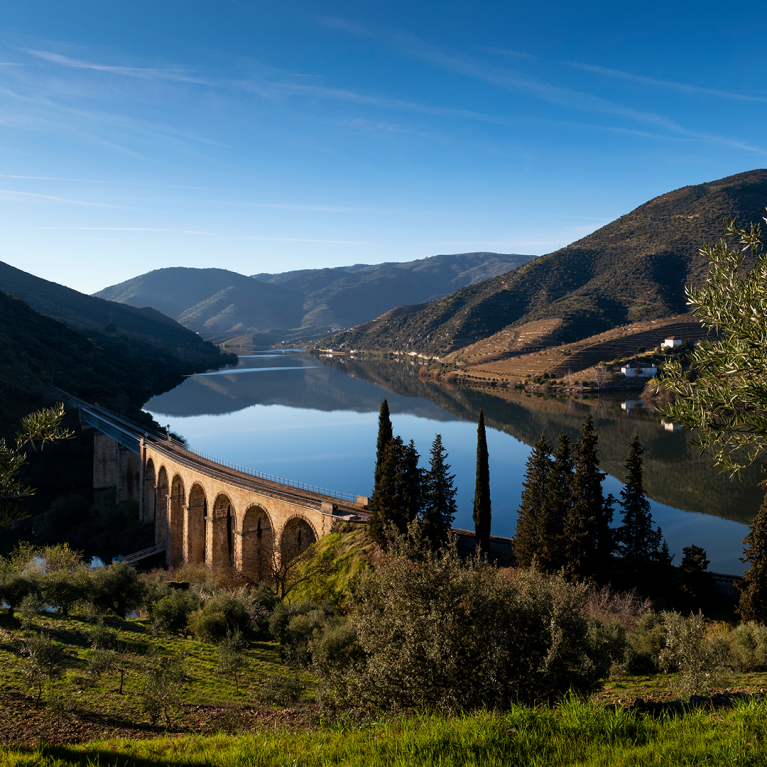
x=640, y=545
x=695, y=582
x=556, y=507
x=439, y=508
x=588, y=540
x=385, y=436
x=753, y=586
x=482, y=489
x=397, y=496
x=527, y=539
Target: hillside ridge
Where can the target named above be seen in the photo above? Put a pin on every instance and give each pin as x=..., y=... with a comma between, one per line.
x=633, y=269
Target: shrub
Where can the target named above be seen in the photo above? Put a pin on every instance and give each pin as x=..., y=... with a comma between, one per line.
x=45, y=662
x=117, y=588
x=294, y=625
x=644, y=645
x=217, y=616
x=170, y=615
x=701, y=664
x=231, y=657
x=748, y=645
x=439, y=632
x=280, y=690
x=336, y=646
x=102, y=637
x=15, y=586
x=164, y=680
x=63, y=589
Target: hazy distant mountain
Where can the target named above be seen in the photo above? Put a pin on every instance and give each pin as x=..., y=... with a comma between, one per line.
x=120, y=357
x=217, y=302
x=84, y=312
x=634, y=268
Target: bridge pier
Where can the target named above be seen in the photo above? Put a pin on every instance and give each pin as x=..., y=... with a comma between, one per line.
x=116, y=467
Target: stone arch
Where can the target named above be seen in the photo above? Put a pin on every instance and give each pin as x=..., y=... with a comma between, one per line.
x=161, y=517
x=221, y=524
x=297, y=535
x=255, y=545
x=176, y=522
x=149, y=499
x=196, y=517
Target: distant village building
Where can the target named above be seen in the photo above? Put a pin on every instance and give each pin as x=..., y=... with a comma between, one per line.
x=670, y=425
x=646, y=371
x=632, y=404
x=672, y=343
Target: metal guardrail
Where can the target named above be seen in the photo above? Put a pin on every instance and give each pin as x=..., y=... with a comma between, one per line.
x=277, y=480
x=130, y=559
x=110, y=423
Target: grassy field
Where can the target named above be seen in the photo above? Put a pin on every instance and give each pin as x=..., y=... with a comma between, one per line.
x=573, y=734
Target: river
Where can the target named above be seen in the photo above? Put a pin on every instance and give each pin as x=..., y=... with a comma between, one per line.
x=315, y=421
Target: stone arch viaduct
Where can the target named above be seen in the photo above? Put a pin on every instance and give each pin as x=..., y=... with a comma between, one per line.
x=206, y=512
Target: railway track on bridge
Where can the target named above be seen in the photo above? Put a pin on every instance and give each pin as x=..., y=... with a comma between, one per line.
x=177, y=451
x=257, y=485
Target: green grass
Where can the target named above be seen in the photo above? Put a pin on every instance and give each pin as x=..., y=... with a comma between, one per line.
x=574, y=734
x=207, y=686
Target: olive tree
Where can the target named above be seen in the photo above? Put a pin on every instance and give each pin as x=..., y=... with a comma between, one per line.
x=37, y=429
x=726, y=397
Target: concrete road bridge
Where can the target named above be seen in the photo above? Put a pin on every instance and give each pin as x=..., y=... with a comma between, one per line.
x=208, y=512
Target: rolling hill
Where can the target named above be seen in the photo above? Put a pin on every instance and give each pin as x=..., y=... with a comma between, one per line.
x=633, y=269
x=221, y=304
x=118, y=355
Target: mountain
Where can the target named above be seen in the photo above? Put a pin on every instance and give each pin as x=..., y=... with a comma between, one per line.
x=220, y=304
x=118, y=355
x=634, y=268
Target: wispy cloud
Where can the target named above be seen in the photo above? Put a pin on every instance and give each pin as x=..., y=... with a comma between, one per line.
x=520, y=82
x=11, y=194
x=192, y=231
x=126, y=229
x=670, y=84
x=143, y=72
x=503, y=52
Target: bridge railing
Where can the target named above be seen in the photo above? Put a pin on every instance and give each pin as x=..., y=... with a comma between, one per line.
x=106, y=419
x=273, y=478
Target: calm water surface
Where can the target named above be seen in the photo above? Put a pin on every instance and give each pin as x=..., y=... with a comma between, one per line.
x=316, y=421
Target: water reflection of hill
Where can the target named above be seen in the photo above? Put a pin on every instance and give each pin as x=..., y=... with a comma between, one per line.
x=313, y=388
x=674, y=472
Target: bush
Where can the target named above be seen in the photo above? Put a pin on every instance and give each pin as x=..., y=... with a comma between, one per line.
x=336, y=646
x=45, y=662
x=439, y=632
x=63, y=589
x=217, y=616
x=170, y=615
x=644, y=645
x=748, y=645
x=231, y=658
x=701, y=664
x=117, y=588
x=294, y=625
x=14, y=586
x=164, y=680
x=280, y=690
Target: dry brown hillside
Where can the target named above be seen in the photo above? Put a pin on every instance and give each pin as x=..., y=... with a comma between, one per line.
x=490, y=359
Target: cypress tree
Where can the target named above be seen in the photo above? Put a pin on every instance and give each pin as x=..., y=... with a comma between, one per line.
x=588, y=540
x=556, y=506
x=482, y=489
x=640, y=545
x=527, y=540
x=753, y=586
x=439, y=507
x=385, y=435
x=397, y=497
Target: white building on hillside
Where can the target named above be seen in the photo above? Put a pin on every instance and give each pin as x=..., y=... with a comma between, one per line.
x=647, y=371
x=673, y=342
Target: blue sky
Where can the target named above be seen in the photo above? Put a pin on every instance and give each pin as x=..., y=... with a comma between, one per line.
x=270, y=136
